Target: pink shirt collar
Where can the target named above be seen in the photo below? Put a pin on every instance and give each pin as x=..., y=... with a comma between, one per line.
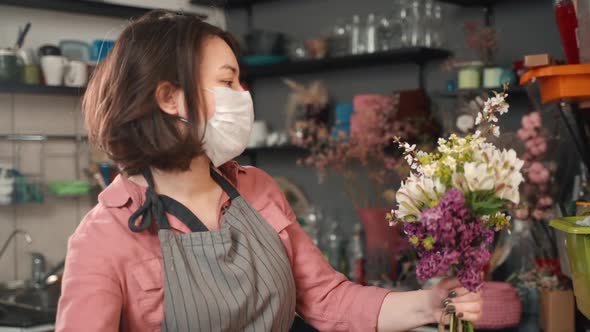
x=123, y=191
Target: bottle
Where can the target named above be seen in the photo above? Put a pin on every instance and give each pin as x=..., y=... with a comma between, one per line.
x=356, y=36
x=438, y=36
x=415, y=25
x=340, y=39
x=567, y=23
x=312, y=221
x=333, y=246
x=356, y=255
x=371, y=34
x=385, y=32
x=428, y=24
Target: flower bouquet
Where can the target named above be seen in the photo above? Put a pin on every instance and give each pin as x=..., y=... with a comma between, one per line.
x=453, y=201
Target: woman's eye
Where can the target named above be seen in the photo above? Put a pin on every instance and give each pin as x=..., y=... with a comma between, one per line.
x=228, y=83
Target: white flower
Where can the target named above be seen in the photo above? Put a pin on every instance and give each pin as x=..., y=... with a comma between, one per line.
x=479, y=177
x=409, y=148
x=409, y=159
x=451, y=162
x=444, y=149
x=478, y=119
x=493, y=118
x=465, y=122
x=428, y=170
x=462, y=141
x=416, y=194
x=507, y=168
x=496, y=131
x=421, y=154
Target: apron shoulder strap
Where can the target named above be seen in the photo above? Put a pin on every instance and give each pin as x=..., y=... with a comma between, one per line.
x=231, y=191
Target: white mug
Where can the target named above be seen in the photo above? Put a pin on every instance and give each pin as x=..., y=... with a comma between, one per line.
x=258, y=135
x=53, y=67
x=76, y=74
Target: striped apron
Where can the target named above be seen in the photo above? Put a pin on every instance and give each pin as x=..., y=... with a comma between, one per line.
x=237, y=278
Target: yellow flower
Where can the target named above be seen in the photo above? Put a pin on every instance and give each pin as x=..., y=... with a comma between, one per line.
x=428, y=243
x=414, y=240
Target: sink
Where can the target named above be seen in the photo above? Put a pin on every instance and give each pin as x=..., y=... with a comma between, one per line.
x=12, y=315
x=40, y=299
x=28, y=306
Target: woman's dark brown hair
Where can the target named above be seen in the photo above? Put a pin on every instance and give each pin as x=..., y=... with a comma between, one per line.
x=120, y=108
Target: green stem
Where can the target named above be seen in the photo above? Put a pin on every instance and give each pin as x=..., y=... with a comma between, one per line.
x=453, y=323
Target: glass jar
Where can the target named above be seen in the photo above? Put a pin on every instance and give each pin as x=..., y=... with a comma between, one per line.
x=339, y=39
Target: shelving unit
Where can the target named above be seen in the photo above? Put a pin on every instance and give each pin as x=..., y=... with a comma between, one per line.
x=417, y=55
x=9, y=87
x=82, y=7
x=513, y=92
x=230, y=4
x=253, y=153
x=473, y=3
x=40, y=138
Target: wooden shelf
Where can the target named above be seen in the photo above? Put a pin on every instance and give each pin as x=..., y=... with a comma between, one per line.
x=96, y=8
x=8, y=87
x=518, y=91
x=417, y=55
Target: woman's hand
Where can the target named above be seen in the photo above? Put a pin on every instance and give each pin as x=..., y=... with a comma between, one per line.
x=449, y=296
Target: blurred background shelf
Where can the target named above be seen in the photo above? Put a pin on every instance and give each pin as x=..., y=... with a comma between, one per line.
x=229, y=3
x=81, y=7
x=417, y=55
x=518, y=91
x=253, y=153
x=10, y=87
x=473, y=3
x=39, y=138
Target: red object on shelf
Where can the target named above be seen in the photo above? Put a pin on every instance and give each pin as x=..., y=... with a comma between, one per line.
x=384, y=243
x=567, y=23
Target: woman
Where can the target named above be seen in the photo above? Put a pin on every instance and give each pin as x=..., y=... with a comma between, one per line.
x=188, y=240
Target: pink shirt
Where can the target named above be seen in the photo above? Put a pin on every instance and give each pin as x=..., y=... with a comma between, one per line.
x=113, y=277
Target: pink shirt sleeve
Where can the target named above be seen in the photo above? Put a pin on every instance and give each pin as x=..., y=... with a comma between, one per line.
x=325, y=298
x=91, y=297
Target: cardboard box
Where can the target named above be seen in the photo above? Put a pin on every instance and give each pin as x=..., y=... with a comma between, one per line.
x=557, y=311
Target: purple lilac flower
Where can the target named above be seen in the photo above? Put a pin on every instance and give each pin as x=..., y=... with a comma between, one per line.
x=460, y=241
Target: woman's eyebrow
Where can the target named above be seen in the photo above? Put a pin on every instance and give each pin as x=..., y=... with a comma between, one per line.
x=229, y=67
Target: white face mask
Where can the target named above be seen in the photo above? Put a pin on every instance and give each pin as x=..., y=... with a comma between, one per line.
x=229, y=129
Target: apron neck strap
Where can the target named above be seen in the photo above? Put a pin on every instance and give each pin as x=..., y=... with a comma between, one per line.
x=229, y=189
x=153, y=207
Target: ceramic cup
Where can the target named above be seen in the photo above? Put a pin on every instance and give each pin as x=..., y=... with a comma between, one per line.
x=259, y=134
x=76, y=74
x=53, y=67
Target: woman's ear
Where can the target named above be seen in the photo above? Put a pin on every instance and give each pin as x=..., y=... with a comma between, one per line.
x=167, y=97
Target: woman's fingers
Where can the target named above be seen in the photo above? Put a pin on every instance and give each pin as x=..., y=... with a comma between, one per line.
x=458, y=292
x=449, y=284
x=466, y=297
x=470, y=311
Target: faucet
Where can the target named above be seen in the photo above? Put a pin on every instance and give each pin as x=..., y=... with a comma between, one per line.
x=12, y=235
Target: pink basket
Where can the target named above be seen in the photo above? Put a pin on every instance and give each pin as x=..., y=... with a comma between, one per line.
x=501, y=306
